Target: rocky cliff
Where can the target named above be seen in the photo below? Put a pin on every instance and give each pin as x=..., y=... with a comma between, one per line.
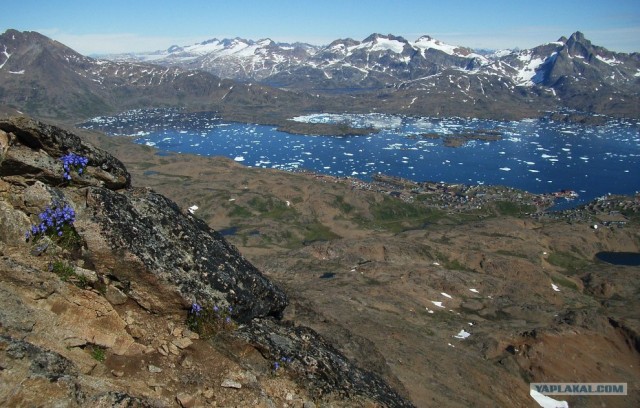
x=94, y=298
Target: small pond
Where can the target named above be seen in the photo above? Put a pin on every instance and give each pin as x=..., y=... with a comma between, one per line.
x=620, y=258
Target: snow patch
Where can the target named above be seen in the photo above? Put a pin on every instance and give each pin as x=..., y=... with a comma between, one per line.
x=547, y=402
x=462, y=334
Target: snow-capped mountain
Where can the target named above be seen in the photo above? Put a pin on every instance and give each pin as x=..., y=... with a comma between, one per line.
x=228, y=58
x=572, y=70
x=45, y=78
x=267, y=81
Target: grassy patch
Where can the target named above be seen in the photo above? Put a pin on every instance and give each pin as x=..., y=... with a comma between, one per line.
x=318, y=232
x=567, y=261
x=511, y=253
x=396, y=216
x=64, y=271
x=98, y=354
x=564, y=282
x=270, y=207
x=342, y=205
x=240, y=212
x=513, y=209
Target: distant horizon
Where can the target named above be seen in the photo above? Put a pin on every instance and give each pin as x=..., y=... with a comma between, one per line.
x=118, y=26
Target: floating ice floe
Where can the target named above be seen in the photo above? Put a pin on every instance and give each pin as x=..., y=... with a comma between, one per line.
x=462, y=335
x=239, y=158
x=555, y=287
x=505, y=169
x=193, y=209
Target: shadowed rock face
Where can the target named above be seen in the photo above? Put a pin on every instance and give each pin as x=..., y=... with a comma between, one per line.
x=143, y=247
x=184, y=251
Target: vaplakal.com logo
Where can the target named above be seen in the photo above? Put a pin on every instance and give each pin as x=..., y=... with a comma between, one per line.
x=580, y=388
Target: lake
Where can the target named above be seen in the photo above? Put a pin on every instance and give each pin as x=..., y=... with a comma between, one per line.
x=539, y=155
x=620, y=258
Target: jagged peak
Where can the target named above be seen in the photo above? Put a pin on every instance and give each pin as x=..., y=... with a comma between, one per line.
x=577, y=36
x=377, y=36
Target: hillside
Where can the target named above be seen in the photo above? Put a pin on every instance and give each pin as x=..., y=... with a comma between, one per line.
x=115, y=295
x=366, y=270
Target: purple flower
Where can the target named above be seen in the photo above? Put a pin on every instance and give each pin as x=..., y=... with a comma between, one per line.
x=196, y=309
x=72, y=161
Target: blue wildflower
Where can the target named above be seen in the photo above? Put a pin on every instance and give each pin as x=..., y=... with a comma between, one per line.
x=72, y=161
x=196, y=309
x=52, y=220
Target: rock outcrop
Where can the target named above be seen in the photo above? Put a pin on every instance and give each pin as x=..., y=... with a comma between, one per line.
x=130, y=251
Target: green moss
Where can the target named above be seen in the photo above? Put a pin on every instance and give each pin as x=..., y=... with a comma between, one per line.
x=564, y=282
x=240, y=212
x=271, y=207
x=511, y=253
x=63, y=270
x=567, y=261
x=318, y=232
x=342, y=205
x=98, y=354
x=396, y=215
x=513, y=209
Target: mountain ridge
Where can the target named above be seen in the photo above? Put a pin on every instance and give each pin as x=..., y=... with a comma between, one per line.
x=267, y=82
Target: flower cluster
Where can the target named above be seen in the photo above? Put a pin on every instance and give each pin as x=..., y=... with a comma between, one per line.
x=75, y=162
x=209, y=321
x=52, y=220
x=283, y=361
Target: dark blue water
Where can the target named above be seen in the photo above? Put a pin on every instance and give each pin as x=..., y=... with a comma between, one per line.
x=620, y=258
x=535, y=155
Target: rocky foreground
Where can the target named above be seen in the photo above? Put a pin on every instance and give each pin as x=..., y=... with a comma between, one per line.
x=94, y=305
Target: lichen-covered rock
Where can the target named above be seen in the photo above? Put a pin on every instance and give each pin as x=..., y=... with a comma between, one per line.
x=318, y=363
x=178, y=249
x=33, y=149
x=34, y=376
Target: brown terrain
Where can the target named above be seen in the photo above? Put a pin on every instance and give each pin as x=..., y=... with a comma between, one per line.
x=388, y=280
x=368, y=281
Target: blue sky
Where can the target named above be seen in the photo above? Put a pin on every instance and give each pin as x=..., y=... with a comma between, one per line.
x=109, y=26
